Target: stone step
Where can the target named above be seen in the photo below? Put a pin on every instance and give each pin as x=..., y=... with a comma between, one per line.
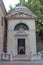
x=21, y=57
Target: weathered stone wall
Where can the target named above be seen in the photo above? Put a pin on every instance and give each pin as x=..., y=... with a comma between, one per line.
x=1, y=29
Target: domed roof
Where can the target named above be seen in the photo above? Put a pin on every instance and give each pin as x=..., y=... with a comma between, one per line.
x=22, y=10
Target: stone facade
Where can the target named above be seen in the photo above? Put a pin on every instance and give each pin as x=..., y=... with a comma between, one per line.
x=20, y=15
x=28, y=35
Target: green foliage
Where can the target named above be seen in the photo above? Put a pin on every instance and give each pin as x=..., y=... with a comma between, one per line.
x=22, y=3
x=39, y=47
x=38, y=26
x=41, y=1
x=41, y=34
x=11, y=8
x=35, y=6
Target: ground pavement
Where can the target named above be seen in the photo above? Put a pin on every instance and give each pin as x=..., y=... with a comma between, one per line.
x=39, y=62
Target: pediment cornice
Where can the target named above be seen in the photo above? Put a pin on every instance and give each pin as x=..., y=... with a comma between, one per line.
x=20, y=15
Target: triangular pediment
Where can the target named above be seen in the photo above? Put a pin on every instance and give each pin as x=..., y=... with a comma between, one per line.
x=20, y=15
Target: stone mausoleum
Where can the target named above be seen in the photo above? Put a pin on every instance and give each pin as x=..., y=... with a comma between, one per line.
x=17, y=32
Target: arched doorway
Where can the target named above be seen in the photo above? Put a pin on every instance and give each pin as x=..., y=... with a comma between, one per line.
x=21, y=37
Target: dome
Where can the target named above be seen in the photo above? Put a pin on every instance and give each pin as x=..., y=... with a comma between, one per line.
x=22, y=9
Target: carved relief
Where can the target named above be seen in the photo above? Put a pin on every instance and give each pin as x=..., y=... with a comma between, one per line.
x=20, y=15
